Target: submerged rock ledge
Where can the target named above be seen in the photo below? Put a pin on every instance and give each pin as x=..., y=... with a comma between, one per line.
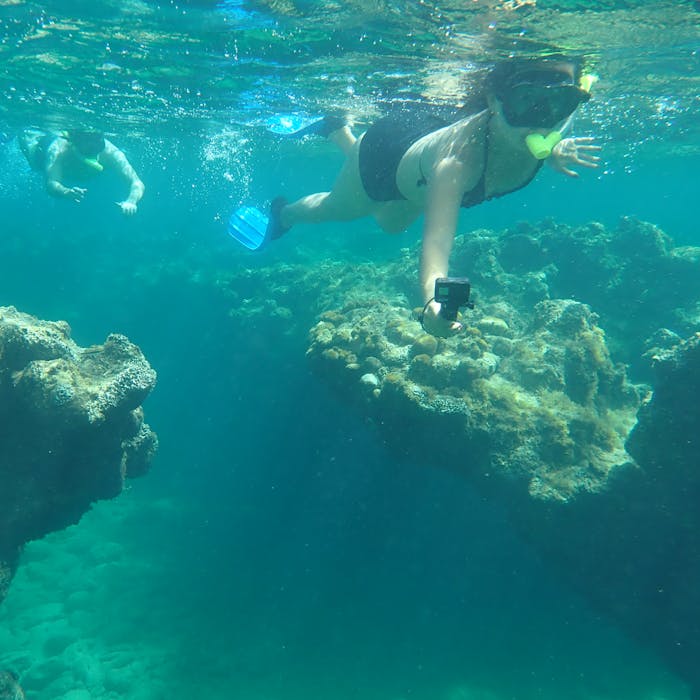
x=71, y=427
x=542, y=404
x=571, y=398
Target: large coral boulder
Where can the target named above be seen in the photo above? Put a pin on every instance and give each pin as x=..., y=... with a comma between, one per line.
x=537, y=403
x=534, y=405
x=71, y=427
x=666, y=444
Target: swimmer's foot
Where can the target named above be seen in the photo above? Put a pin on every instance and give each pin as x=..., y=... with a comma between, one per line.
x=274, y=225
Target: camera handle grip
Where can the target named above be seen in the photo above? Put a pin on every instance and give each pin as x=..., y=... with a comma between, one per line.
x=449, y=313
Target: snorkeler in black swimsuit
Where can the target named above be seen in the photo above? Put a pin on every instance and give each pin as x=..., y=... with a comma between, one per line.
x=414, y=162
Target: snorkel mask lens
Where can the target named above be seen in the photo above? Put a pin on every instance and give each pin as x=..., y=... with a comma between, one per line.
x=538, y=100
x=88, y=143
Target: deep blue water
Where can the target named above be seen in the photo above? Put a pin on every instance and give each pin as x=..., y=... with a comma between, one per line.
x=277, y=550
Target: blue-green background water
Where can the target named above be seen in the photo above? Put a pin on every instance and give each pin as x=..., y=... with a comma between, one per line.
x=276, y=550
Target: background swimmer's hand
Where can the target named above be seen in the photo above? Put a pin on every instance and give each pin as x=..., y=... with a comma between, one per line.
x=579, y=150
x=77, y=194
x=438, y=326
x=128, y=208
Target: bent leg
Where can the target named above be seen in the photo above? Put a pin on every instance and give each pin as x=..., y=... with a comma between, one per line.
x=343, y=138
x=395, y=217
x=345, y=202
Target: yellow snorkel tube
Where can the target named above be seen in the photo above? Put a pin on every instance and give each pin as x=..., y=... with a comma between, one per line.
x=587, y=81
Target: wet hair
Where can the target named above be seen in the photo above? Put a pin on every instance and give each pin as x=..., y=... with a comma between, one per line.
x=89, y=143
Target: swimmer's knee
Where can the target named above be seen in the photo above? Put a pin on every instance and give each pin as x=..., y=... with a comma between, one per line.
x=390, y=227
x=343, y=138
x=393, y=221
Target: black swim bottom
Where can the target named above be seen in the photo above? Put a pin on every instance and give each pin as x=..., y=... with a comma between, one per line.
x=383, y=146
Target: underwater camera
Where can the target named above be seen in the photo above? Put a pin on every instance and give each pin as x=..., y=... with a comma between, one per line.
x=452, y=293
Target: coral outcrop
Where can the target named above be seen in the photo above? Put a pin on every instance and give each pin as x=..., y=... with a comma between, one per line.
x=537, y=402
x=666, y=443
x=570, y=398
x=71, y=427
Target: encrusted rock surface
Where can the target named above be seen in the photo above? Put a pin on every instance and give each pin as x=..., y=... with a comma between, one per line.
x=666, y=444
x=71, y=427
x=540, y=404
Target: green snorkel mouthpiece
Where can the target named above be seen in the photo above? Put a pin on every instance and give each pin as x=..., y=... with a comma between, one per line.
x=94, y=164
x=541, y=146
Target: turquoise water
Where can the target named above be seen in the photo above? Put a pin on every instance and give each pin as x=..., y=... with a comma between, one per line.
x=277, y=550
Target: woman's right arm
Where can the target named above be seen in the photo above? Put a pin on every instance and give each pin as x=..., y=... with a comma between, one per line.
x=444, y=198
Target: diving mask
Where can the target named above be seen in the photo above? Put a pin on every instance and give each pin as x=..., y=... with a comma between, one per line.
x=541, y=99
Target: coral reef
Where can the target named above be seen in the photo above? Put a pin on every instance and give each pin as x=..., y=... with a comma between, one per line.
x=9, y=687
x=570, y=399
x=673, y=411
x=71, y=427
x=540, y=404
x=664, y=443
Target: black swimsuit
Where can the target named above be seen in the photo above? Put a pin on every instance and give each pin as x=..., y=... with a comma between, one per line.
x=386, y=142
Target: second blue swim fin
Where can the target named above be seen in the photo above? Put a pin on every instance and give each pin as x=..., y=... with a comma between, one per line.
x=249, y=226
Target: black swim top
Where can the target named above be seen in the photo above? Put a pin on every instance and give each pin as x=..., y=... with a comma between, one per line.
x=386, y=142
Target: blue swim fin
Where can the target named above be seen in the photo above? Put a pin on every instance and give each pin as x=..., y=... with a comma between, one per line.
x=249, y=226
x=289, y=124
x=297, y=126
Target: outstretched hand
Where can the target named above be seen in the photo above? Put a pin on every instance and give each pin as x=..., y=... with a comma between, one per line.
x=575, y=151
x=128, y=208
x=77, y=194
x=436, y=325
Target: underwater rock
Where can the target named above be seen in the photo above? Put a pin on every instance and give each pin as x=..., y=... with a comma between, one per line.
x=666, y=444
x=668, y=429
x=9, y=686
x=529, y=405
x=535, y=403
x=71, y=427
x=552, y=413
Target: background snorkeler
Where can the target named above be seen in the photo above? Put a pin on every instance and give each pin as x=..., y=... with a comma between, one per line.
x=77, y=156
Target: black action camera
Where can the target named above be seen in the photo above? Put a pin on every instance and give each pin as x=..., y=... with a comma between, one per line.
x=452, y=293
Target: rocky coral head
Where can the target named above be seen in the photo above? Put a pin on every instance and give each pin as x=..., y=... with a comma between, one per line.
x=9, y=686
x=541, y=403
x=73, y=428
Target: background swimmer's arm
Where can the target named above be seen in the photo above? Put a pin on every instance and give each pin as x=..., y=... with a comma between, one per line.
x=114, y=158
x=53, y=174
